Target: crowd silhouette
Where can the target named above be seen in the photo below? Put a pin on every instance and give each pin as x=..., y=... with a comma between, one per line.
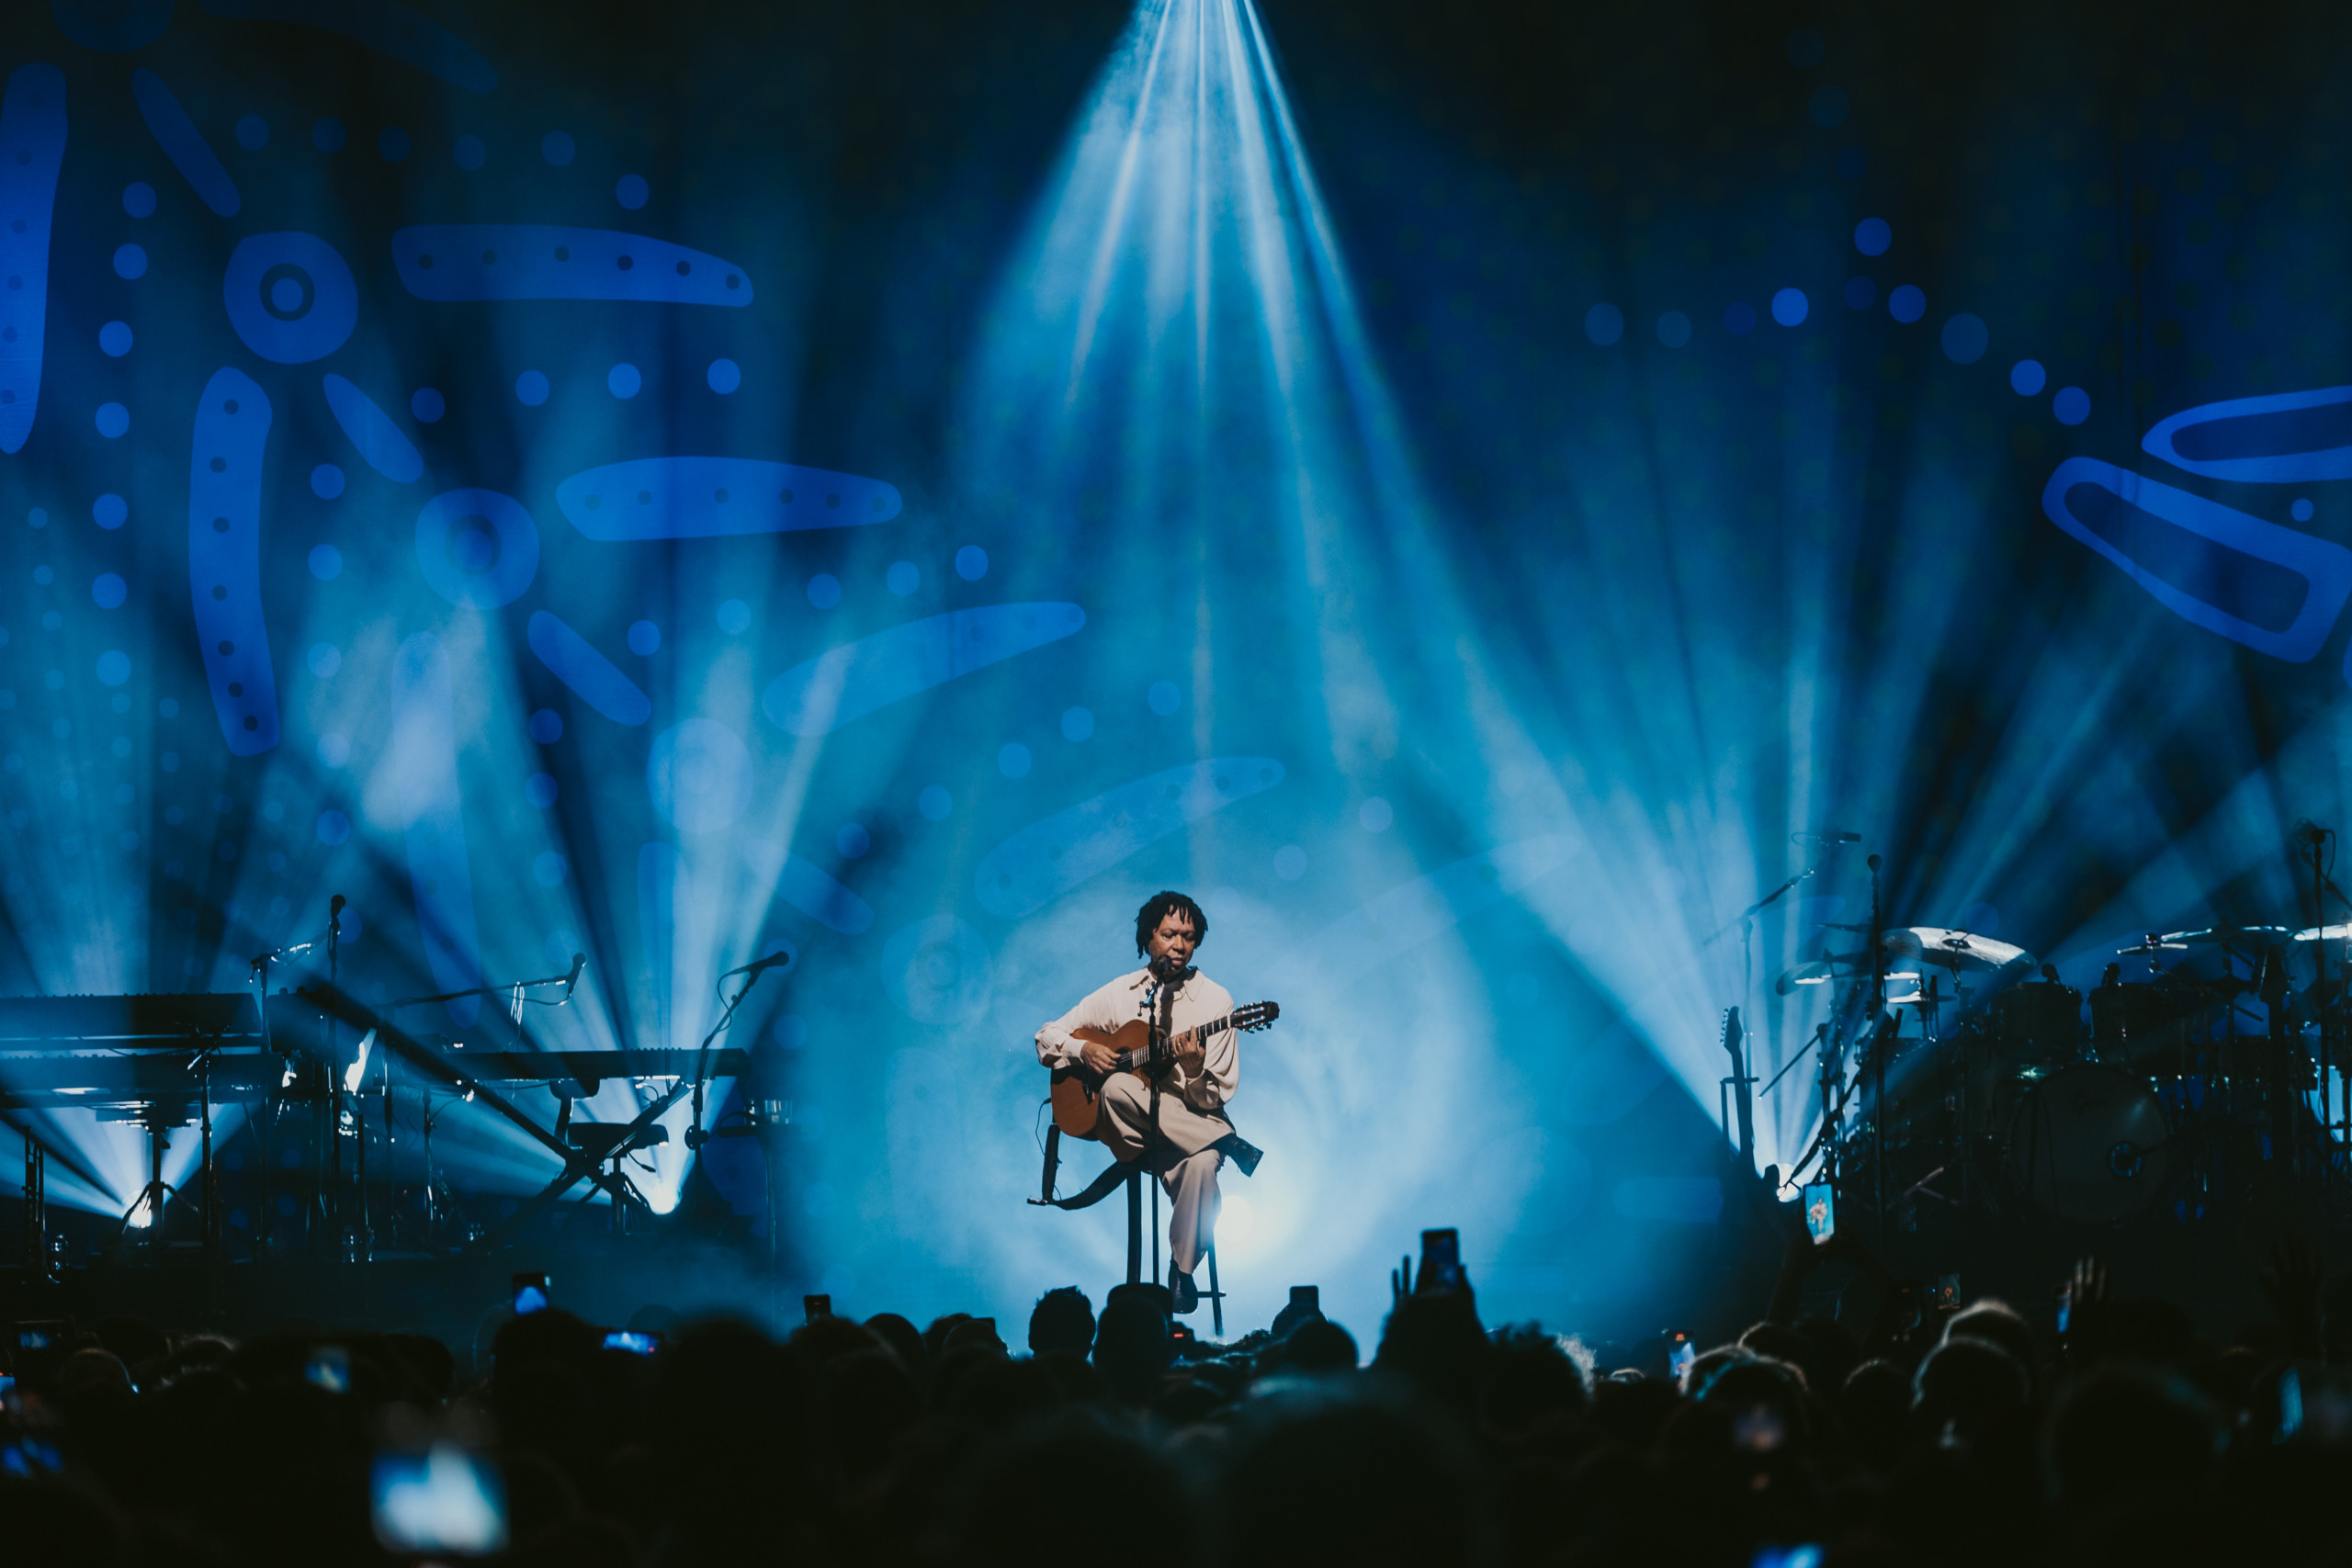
x=1933, y=1433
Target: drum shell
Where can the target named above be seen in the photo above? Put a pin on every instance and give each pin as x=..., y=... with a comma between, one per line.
x=2133, y=1022
x=2090, y=1144
x=2037, y=1021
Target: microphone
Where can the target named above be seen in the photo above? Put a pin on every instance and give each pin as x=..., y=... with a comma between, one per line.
x=335, y=914
x=2308, y=831
x=761, y=965
x=578, y=963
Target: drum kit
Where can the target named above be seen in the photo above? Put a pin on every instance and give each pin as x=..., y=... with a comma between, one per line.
x=1987, y=1083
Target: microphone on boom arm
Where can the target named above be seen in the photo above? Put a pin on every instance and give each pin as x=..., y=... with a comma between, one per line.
x=761, y=966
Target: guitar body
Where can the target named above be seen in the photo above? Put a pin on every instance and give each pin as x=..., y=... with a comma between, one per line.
x=1076, y=1093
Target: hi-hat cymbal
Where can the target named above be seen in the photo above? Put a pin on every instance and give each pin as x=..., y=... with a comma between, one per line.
x=1820, y=972
x=1957, y=951
x=2231, y=936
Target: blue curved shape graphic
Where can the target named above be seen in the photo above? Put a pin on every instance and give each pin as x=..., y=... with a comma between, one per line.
x=289, y=296
x=591, y=677
x=184, y=144
x=701, y=497
x=124, y=26
x=819, y=696
x=477, y=547
x=425, y=752
x=1046, y=859
x=822, y=898
x=32, y=146
x=451, y=261
x=388, y=28
x=2283, y=438
x=224, y=487
x=2250, y=572
x=380, y=443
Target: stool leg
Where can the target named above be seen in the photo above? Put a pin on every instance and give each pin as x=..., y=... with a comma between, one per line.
x=1134, y=1227
x=1216, y=1296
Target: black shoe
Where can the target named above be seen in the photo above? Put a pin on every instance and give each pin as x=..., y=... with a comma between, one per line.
x=1180, y=1286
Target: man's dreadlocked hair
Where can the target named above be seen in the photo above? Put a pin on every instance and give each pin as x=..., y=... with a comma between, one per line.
x=1155, y=909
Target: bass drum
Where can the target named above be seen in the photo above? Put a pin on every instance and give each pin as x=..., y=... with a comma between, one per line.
x=2089, y=1143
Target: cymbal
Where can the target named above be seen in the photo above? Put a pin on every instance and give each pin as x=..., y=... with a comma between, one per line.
x=2324, y=933
x=1957, y=951
x=2232, y=936
x=2154, y=947
x=1819, y=972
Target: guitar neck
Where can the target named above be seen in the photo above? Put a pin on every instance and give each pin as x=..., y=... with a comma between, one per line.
x=1176, y=1043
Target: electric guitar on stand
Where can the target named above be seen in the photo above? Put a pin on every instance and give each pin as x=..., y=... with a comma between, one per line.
x=1077, y=1091
x=1740, y=1086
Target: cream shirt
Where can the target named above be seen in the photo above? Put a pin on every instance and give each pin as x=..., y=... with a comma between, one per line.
x=1134, y=995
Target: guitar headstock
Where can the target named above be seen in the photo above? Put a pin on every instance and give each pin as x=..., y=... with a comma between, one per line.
x=1255, y=1015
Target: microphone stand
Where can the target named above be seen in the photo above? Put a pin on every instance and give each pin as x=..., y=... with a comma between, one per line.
x=697, y=1138
x=513, y=991
x=314, y=1211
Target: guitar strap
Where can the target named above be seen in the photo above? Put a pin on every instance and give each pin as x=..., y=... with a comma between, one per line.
x=1053, y=1160
x=1245, y=1157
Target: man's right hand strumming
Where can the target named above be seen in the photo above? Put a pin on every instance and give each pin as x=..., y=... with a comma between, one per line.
x=1098, y=1058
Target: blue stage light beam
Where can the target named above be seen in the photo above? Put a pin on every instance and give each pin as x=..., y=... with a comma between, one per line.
x=1177, y=366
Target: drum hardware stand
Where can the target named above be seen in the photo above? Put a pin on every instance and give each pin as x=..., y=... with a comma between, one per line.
x=1834, y=1094
x=207, y=1208
x=38, y=1263
x=150, y=1196
x=2314, y=838
x=1880, y=1035
x=764, y=1119
x=1922, y=1187
x=325, y=1118
x=425, y=1131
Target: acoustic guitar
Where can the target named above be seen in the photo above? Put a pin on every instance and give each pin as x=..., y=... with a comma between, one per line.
x=1078, y=1090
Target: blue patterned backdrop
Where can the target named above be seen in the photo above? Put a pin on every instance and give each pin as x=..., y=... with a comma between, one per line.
x=1457, y=491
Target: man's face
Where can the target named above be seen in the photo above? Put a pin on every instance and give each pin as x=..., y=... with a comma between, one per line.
x=1172, y=945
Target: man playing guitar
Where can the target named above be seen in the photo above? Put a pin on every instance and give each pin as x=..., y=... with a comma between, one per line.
x=1192, y=1095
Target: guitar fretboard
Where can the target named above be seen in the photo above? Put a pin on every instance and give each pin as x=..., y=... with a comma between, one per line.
x=1133, y=1059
